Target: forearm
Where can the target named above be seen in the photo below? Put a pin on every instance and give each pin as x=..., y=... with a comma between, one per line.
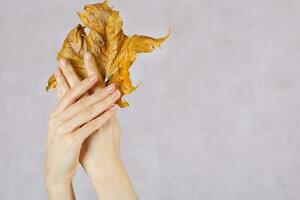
x=111, y=181
x=58, y=192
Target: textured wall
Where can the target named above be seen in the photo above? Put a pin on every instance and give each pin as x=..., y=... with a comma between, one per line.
x=217, y=116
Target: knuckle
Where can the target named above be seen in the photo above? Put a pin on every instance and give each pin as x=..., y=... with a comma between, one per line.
x=109, y=100
x=89, y=112
x=51, y=115
x=78, y=89
x=69, y=94
x=73, y=93
x=83, y=103
x=73, y=140
x=60, y=130
x=97, y=96
x=100, y=94
x=68, y=140
x=51, y=122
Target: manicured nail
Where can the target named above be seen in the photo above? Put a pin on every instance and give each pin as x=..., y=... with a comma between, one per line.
x=113, y=107
x=93, y=77
x=110, y=88
x=63, y=62
x=58, y=89
x=58, y=72
x=88, y=56
x=116, y=94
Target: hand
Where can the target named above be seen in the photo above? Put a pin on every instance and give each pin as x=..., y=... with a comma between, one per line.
x=70, y=124
x=100, y=154
x=102, y=149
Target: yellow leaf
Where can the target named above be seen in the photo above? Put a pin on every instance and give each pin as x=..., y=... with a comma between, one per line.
x=114, y=51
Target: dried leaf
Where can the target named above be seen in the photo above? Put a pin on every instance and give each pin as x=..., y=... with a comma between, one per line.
x=114, y=51
x=73, y=49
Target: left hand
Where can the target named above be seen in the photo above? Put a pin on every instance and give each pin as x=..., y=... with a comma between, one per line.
x=70, y=124
x=102, y=149
x=100, y=154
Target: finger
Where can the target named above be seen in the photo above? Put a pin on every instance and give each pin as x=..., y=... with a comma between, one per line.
x=58, y=92
x=61, y=82
x=85, y=131
x=90, y=113
x=91, y=68
x=74, y=93
x=58, y=89
x=69, y=73
x=85, y=103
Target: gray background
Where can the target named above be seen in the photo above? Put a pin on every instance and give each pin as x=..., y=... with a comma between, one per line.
x=217, y=116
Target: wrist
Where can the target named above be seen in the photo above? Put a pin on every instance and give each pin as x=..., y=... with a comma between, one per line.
x=60, y=191
x=105, y=170
x=55, y=182
x=111, y=181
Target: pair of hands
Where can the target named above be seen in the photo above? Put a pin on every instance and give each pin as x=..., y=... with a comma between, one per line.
x=83, y=128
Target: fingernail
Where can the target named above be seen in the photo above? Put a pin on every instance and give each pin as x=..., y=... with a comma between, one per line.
x=110, y=88
x=63, y=62
x=57, y=72
x=88, y=56
x=93, y=77
x=58, y=89
x=113, y=107
x=116, y=94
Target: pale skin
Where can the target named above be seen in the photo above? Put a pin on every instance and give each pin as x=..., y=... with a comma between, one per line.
x=84, y=129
